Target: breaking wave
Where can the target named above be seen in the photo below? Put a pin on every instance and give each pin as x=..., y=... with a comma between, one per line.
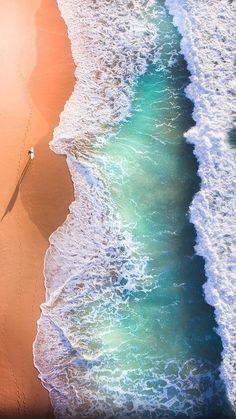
x=209, y=45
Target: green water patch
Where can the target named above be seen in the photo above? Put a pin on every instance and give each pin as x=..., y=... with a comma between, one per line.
x=164, y=342
x=232, y=137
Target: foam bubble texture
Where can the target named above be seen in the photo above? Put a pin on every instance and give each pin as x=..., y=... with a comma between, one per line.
x=91, y=258
x=91, y=263
x=112, y=43
x=209, y=45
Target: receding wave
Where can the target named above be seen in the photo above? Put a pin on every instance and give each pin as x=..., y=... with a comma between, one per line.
x=208, y=44
x=94, y=264
x=112, y=43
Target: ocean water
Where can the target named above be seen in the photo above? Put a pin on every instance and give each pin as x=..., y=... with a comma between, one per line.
x=125, y=330
x=232, y=137
x=208, y=44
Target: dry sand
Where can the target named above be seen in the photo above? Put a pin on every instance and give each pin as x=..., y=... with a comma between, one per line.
x=36, y=78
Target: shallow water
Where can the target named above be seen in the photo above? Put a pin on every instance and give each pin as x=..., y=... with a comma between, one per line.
x=153, y=178
x=128, y=332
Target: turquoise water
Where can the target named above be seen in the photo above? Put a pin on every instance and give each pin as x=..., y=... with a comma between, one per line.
x=164, y=349
x=232, y=137
x=125, y=331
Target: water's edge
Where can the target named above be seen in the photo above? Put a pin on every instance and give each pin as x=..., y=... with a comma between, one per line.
x=65, y=141
x=198, y=211
x=49, y=239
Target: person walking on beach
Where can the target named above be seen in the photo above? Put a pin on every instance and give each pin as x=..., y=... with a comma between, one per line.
x=31, y=153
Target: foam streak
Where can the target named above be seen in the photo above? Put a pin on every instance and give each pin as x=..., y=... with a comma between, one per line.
x=208, y=44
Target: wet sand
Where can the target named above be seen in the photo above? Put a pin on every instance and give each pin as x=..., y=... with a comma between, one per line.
x=36, y=78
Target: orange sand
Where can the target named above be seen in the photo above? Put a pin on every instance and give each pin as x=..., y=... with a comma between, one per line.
x=36, y=78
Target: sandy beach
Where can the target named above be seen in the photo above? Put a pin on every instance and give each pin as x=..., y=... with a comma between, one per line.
x=36, y=77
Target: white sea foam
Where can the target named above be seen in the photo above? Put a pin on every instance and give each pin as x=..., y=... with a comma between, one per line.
x=209, y=45
x=112, y=43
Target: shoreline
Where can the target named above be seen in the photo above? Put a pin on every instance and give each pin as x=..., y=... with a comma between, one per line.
x=37, y=78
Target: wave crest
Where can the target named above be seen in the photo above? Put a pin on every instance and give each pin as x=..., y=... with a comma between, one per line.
x=208, y=44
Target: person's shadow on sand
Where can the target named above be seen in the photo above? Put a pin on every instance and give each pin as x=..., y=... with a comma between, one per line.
x=16, y=191
x=47, y=192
